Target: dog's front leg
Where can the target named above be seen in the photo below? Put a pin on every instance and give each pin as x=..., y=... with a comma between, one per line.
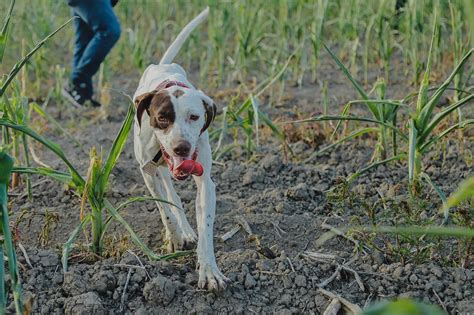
x=209, y=274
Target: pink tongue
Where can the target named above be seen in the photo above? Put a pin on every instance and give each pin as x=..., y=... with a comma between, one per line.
x=189, y=167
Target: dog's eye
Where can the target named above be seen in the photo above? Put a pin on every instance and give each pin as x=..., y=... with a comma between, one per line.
x=194, y=117
x=162, y=119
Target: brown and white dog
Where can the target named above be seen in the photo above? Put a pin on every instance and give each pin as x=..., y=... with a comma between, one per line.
x=171, y=140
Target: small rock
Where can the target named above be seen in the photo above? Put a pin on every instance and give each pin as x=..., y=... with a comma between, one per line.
x=299, y=192
x=413, y=278
x=300, y=281
x=271, y=162
x=437, y=271
x=75, y=284
x=285, y=299
x=398, y=272
x=249, y=281
x=104, y=281
x=159, y=290
x=87, y=303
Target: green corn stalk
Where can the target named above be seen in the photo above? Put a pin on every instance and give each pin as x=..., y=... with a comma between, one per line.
x=423, y=123
x=6, y=241
x=382, y=111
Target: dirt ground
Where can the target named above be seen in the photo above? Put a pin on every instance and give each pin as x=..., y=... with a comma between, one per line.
x=286, y=206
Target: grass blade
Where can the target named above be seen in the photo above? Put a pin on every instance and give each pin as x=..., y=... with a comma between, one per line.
x=17, y=67
x=67, y=247
x=354, y=82
x=441, y=115
x=460, y=125
x=412, y=146
x=440, y=193
x=78, y=180
x=429, y=107
x=4, y=31
x=354, y=134
x=354, y=118
x=354, y=176
x=57, y=175
x=463, y=193
x=117, y=148
x=136, y=240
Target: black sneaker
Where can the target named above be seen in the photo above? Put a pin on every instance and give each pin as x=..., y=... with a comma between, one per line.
x=73, y=96
x=77, y=99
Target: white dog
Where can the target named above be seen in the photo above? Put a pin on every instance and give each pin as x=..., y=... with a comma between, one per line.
x=170, y=139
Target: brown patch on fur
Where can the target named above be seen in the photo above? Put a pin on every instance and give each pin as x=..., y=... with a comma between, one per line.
x=142, y=102
x=210, y=114
x=178, y=93
x=159, y=107
x=161, y=111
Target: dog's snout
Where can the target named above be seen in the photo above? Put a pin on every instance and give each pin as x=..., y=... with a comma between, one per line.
x=182, y=148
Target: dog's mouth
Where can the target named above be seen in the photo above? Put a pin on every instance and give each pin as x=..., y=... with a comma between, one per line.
x=181, y=167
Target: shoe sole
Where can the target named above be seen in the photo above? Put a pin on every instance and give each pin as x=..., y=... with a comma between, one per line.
x=71, y=100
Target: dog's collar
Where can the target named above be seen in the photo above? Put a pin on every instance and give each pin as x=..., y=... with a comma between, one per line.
x=188, y=167
x=169, y=83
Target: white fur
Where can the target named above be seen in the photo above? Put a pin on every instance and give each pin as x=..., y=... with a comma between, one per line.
x=147, y=143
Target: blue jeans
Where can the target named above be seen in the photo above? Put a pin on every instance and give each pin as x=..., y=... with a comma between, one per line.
x=97, y=30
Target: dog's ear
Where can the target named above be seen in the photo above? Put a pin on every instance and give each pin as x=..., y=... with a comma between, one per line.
x=142, y=103
x=210, y=112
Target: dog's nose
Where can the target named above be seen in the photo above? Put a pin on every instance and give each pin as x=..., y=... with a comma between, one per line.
x=182, y=148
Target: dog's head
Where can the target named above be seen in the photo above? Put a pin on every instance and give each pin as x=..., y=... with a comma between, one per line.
x=178, y=116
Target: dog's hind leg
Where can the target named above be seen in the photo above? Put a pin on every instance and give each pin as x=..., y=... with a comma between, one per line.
x=178, y=233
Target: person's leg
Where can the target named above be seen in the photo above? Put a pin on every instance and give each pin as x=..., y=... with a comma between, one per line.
x=83, y=35
x=102, y=21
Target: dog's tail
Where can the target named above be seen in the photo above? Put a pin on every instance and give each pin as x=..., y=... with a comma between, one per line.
x=179, y=41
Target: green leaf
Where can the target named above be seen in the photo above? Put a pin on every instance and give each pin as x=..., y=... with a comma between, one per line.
x=460, y=125
x=6, y=166
x=57, y=175
x=412, y=147
x=354, y=82
x=440, y=193
x=4, y=31
x=67, y=247
x=17, y=67
x=427, y=110
x=402, y=307
x=374, y=165
x=56, y=149
x=354, y=118
x=463, y=193
x=354, y=134
x=117, y=148
x=441, y=115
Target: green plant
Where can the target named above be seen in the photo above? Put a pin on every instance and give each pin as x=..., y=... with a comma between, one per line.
x=463, y=193
x=92, y=188
x=421, y=125
x=6, y=241
x=423, y=122
x=402, y=306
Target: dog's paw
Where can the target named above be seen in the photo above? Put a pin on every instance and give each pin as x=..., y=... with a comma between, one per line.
x=211, y=277
x=181, y=241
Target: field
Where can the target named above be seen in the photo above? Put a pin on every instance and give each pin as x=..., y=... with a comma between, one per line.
x=343, y=160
